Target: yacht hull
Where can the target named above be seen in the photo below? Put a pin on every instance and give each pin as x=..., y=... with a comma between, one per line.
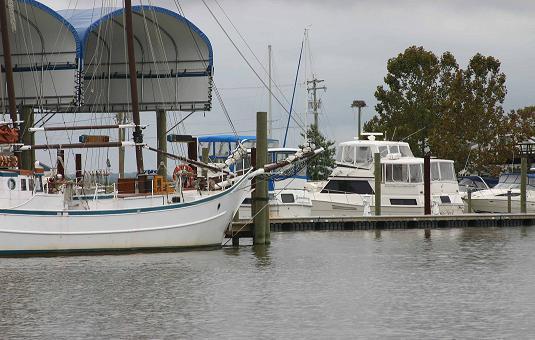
x=183, y=225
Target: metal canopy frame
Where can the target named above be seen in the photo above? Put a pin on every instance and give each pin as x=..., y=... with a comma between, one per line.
x=45, y=49
x=75, y=60
x=174, y=62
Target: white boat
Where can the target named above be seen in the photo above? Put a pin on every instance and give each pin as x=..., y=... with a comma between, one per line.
x=200, y=222
x=495, y=200
x=288, y=197
x=349, y=191
x=42, y=216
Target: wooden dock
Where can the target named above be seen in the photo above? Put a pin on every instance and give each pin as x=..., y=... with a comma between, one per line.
x=244, y=228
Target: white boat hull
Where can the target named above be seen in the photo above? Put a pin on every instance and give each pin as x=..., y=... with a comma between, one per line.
x=183, y=225
x=495, y=201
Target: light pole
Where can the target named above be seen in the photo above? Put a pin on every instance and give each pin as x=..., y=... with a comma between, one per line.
x=359, y=104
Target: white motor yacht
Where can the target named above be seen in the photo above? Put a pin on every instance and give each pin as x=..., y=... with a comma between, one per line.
x=495, y=200
x=349, y=190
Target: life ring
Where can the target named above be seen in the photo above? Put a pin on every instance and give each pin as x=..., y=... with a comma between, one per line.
x=187, y=174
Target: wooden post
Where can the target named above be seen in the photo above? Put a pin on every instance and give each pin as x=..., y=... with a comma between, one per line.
x=469, y=201
x=261, y=197
x=28, y=138
x=193, y=152
x=138, y=134
x=205, y=159
x=79, y=172
x=378, y=172
x=121, y=119
x=161, y=131
x=509, y=201
x=427, y=184
x=6, y=45
x=523, y=183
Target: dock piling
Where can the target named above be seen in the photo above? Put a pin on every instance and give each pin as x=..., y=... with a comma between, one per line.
x=161, y=139
x=378, y=180
x=427, y=184
x=469, y=201
x=261, y=198
x=523, y=183
x=509, y=201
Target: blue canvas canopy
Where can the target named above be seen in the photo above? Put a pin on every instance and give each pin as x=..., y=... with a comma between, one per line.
x=44, y=49
x=75, y=60
x=174, y=60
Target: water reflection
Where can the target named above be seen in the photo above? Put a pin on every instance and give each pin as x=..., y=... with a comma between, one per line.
x=262, y=255
x=460, y=283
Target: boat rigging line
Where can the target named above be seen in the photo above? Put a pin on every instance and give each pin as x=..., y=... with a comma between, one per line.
x=251, y=66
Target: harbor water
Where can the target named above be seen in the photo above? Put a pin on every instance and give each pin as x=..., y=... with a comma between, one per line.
x=459, y=283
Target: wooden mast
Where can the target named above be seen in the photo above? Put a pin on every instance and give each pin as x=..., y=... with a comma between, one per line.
x=138, y=134
x=8, y=64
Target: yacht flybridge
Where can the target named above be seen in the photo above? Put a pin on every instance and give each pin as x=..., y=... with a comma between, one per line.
x=349, y=191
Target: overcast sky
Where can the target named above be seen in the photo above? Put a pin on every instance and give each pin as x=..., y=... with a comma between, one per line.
x=350, y=42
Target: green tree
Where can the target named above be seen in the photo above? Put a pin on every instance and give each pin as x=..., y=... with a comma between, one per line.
x=408, y=103
x=455, y=113
x=320, y=167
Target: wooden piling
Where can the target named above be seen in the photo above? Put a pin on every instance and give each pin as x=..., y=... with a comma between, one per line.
x=205, y=159
x=427, y=184
x=261, y=197
x=378, y=179
x=509, y=201
x=523, y=183
x=469, y=201
x=161, y=142
x=79, y=172
x=28, y=138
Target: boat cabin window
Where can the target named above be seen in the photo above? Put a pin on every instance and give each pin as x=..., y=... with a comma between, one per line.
x=348, y=154
x=31, y=184
x=416, y=173
x=23, y=184
x=383, y=150
x=397, y=173
x=336, y=186
x=393, y=149
x=447, y=172
x=364, y=155
x=405, y=151
x=287, y=198
x=435, y=174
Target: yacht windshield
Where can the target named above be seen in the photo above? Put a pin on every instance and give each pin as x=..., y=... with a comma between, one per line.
x=348, y=155
x=405, y=151
x=435, y=175
x=416, y=173
x=397, y=173
x=512, y=181
x=393, y=149
x=383, y=150
x=364, y=156
x=447, y=172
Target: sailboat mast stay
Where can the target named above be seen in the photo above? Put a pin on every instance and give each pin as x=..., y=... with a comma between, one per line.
x=8, y=64
x=138, y=134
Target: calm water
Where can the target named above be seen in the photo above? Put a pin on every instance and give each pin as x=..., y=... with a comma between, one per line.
x=469, y=283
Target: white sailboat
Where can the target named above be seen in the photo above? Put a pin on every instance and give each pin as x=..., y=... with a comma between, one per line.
x=43, y=215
